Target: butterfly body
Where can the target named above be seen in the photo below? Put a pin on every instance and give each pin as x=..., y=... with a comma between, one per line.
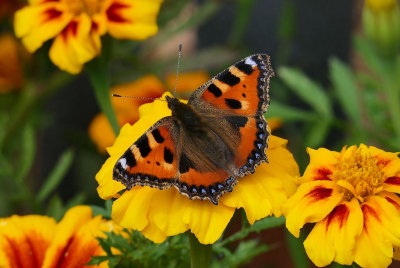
x=206, y=144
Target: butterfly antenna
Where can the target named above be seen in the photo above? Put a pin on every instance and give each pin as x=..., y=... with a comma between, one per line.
x=133, y=97
x=177, y=67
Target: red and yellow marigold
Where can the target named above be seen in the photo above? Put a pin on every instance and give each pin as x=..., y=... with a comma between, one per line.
x=352, y=198
x=77, y=25
x=38, y=241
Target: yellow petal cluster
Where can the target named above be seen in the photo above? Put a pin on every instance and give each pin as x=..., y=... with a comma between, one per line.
x=351, y=196
x=77, y=25
x=38, y=241
x=162, y=213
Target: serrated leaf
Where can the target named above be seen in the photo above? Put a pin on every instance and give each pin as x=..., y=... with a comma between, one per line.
x=345, y=88
x=288, y=113
x=56, y=175
x=308, y=90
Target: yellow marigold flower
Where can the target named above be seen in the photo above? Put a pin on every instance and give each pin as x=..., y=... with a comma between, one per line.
x=10, y=67
x=162, y=213
x=351, y=196
x=127, y=110
x=38, y=241
x=77, y=26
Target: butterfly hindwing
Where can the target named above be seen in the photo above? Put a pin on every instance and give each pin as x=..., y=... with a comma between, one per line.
x=253, y=143
x=151, y=160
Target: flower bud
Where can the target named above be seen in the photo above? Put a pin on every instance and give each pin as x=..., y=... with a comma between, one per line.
x=381, y=22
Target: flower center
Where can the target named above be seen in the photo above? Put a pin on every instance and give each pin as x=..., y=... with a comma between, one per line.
x=359, y=174
x=90, y=7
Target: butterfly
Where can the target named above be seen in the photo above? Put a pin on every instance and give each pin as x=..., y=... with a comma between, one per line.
x=202, y=149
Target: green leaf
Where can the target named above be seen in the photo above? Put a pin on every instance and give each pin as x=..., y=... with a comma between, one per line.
x=97, y=70
x=56, y=175
x=267, y=223
x=369, y=55
x=28, y=149
x=105, y=212
x=296, y=249
x=317, y=133
x=55, y=208
x=308, y=90
x=345, y=87
x=288, y=113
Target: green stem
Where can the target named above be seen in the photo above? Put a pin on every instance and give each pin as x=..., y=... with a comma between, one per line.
x=200, y=254
x=98, y=75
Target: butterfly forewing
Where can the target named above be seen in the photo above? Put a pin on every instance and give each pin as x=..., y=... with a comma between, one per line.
x=240, y=89
x=151, y=160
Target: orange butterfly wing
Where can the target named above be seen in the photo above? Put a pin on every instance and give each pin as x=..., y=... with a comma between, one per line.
x=243, y=89
x=151, y=160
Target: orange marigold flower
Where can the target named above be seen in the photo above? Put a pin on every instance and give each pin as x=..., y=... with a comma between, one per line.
x=38, y=241
x=77, y=26
x=127, y=110
x=352, y=198
x=10, y=67
x=162, y=213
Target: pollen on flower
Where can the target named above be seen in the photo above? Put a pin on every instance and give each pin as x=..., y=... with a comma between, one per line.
x=362, y=171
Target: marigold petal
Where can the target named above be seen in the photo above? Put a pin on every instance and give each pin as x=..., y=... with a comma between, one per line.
x=205, y=220
x=132, y=19
x=39, y=23
x=321, y=165
x=75, y=46
x=312, y=202
x=375, y=244
x=392, y=184
x=334, y=238
x=22, y=234
x=75, y=241
x=161, y=213
x=108, y=188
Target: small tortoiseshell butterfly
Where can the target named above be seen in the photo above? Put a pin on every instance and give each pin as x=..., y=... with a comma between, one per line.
x=219, y=135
